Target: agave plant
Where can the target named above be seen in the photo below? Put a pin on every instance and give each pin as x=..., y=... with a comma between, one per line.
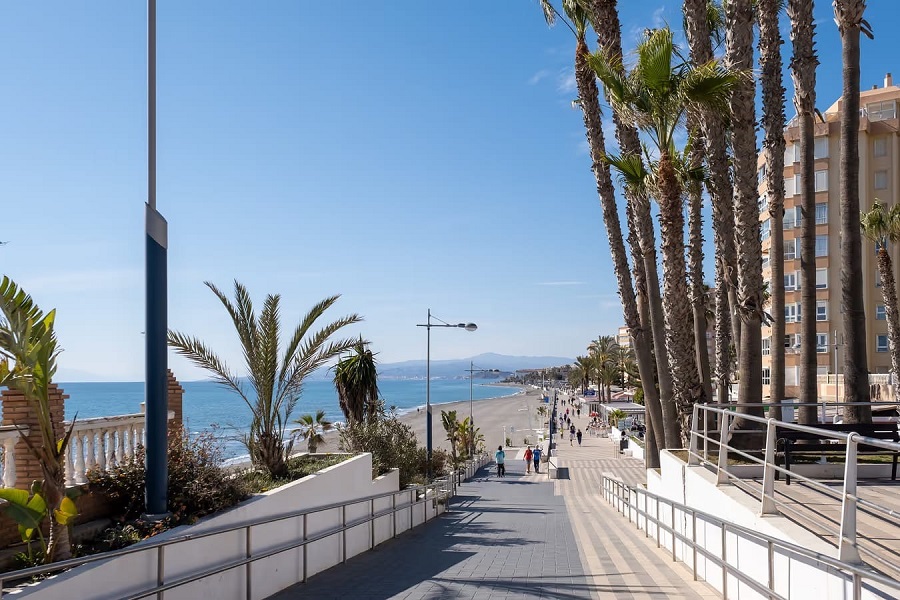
x=356, y=382
x=276, y=378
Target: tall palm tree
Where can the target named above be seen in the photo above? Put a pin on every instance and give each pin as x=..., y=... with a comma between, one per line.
x=28, y=353
x=653, y=366
x=276, y=379
x=356, y=382
x=739, y=58
x=882, y=225
x=311, y=429
x=585, y=364
x=767, y=12
x=803, y=73
x=848, y=14
x=698, y=30
x=656, y=94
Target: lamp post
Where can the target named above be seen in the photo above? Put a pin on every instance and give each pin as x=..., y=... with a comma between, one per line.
x=428, y=325
x=472, y=370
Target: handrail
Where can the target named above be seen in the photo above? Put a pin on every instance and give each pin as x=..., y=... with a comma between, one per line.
x=444, y=488
x=616, y=489
x=848, y=549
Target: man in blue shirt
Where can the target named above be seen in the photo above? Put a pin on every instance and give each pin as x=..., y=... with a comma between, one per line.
x=500, y=457
x=536, y=455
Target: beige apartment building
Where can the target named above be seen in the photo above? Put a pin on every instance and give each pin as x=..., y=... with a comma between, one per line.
x=879, y=177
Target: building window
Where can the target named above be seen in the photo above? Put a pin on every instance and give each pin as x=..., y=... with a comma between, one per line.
x=822, y=213
x=880, y=146
x=880, y=315
x=881, y=180
x=766, y=346
x=792, y=313
x=822, y=180
x=763, y=202
x=821, y=310
x=792, y=341
x=879, y=111
x=881, y=343
x=790, y=252
x=821, y=342
x=790, y=282
x=766, y=376
x=792, y=218
x=877, y=278
x=821, y=245
x=789, y=187
x=765, y=230
x=761, y=174
x=821, y=279
x=820, y=149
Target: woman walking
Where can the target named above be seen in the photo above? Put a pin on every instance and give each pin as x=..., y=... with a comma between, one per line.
x=500, y=457
x=528, y=458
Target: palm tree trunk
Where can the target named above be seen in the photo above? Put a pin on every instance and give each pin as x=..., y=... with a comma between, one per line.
x=695, y=252
x=889, y=293
x=54, y=486
x=773, y=145
x=648, y=376
x=609, y=39
x=720, y=191
x=803, y=72
x=739, y=56
x=849, y=14
x=678, y=313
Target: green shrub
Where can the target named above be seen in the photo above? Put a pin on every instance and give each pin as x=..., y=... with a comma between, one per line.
x=198, y=485
x=298, y=467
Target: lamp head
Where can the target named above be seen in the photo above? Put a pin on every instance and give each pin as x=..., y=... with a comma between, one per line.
x=469, y=326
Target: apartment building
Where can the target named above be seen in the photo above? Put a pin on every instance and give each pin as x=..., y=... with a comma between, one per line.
x=879, y=177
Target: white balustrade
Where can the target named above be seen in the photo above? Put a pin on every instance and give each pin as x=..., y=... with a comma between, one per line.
x=9, y=436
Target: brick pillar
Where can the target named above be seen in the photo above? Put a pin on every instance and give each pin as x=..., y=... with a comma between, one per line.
x=17, y=411
x=175, y=394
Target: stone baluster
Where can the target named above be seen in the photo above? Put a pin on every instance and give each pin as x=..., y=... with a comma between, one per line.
x=90, y=455
x=79, y=458
x=101, y=448
x=120, y=443
x=70, y=463
x=9, y=462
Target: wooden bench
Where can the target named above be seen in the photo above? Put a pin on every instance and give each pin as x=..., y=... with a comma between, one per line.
x=791, y=442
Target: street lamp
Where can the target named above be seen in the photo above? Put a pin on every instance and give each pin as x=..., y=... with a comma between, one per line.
x=428, y=325
x=472, y=370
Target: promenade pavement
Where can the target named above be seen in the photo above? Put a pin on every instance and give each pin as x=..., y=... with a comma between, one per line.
x=519, y=537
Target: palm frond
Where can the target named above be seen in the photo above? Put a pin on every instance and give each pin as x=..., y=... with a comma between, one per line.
x=303, y=327
x=201, y=355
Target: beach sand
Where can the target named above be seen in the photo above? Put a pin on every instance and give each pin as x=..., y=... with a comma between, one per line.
x=491, y=416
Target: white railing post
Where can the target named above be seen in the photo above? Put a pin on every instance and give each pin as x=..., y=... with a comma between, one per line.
x=70, y=462
x=78, y=447
x=847, y=549
x=768, y=491
x=9, y=462
x=693, y=458
x=101, y=449
x=722, y=471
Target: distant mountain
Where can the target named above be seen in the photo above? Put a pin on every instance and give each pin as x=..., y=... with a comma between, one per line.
x=415, y=369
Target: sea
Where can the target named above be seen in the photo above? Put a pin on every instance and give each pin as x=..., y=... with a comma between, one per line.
x=208, y=406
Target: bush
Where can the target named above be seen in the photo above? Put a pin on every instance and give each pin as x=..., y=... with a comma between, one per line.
x=298, y=467
x=393, y=444
x=198, y=485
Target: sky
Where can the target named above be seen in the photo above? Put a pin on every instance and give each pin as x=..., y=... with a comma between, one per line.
x=405, y=155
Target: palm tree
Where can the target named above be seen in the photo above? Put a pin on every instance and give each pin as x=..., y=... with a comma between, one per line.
x=773, y=91
x=656, y=94
x=356, y=382
x=451, y=427
x=311, y=429
x=276, y=379
x=803, y=73
x=585, y=365
x=848, y=14
x=28, y=353
x=697, y=23
x=882, y=225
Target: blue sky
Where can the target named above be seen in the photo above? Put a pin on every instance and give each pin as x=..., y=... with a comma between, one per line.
x=403, y=155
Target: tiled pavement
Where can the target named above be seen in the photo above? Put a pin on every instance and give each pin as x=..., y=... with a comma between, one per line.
x=523, y=536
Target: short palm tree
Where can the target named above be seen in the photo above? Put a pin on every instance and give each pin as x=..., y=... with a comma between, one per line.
x=882, y=225
x=451, y=427
x=311, y=429
x=356, y=382
x=276, y=379
x=28, y=353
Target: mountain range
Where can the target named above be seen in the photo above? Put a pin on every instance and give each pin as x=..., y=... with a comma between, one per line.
x=458, y=368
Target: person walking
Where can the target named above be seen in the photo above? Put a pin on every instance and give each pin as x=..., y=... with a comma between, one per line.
x=500, y=457
x=528, y=458
x=578, y=435
x=536, y=457
x=572, y=434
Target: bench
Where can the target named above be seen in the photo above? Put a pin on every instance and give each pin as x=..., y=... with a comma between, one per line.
x=792, y=442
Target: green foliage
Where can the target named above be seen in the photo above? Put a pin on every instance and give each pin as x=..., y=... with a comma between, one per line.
x=615, y=416
x=638, y=396
x=276, y=378
x=198, y=485
x=29, y=510
x=311, y=428
x=393, y=444
x=356, y=382
x=257, y=481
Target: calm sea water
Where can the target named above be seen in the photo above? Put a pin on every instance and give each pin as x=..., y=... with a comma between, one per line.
x=207, y=405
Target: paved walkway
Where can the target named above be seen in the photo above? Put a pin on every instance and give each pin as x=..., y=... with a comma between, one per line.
x=519, y=537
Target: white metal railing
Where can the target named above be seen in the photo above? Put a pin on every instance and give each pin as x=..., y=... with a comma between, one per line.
x=719, y=551
x=874, y=378
x=9, y=436
x=704, y=415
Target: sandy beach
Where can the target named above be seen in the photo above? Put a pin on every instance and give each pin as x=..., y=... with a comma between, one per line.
x=491, y=416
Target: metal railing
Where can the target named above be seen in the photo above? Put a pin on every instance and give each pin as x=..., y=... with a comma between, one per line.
x=441, y=490
x=666, y=516
x=704, y=415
